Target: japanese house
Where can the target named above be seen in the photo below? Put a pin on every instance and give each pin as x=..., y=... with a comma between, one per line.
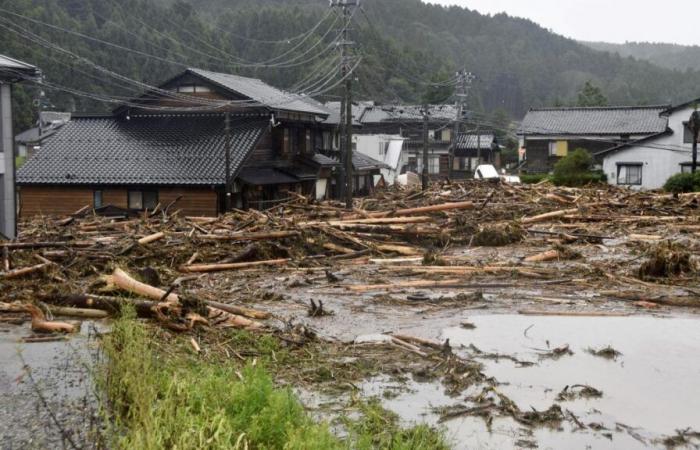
x=548, y=134
x=165, y=148
x=648, y=162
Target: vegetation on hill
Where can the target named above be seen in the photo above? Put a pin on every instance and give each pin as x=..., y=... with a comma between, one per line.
x=669, y=56
x=519, y=64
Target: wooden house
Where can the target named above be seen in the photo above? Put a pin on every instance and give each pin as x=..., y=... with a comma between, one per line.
x=166, y=148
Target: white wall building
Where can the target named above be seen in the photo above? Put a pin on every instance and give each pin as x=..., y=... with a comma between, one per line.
x=385, y=148
x=647, y=163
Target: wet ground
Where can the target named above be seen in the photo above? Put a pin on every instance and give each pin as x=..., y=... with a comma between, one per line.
x=48, y=399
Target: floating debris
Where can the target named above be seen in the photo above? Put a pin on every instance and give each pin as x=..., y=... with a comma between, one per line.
x=605, y=352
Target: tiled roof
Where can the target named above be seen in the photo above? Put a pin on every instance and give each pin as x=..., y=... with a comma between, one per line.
x=471, y=140
x=323, y=160
x=388, y=113
x=615, y=120
x=261, y=92
x=334, y=117
x=364, y=162
x=13, y=69
x=168, y=149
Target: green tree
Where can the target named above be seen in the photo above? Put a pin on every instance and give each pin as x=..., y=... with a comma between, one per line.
x=591, y=95
x=575, y=170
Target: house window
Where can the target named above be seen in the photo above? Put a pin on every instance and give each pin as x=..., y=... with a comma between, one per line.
x=629, y=174
x=559, y=148
x=192, y=88
x=434, y=164
x=141, y=200
x=97, y=199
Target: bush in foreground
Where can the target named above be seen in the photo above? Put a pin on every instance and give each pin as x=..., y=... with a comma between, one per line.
x=683, y=182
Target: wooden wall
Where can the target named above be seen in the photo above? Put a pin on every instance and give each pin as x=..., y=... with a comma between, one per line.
x=62, y=200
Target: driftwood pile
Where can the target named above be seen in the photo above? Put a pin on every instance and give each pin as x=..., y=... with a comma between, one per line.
x=88, y=264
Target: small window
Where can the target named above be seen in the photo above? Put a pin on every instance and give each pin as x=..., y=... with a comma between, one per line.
x=97, y=199
x=135, y=200
x=150, y=199
x=629, y=174
x=187, y=89
x=141, y=200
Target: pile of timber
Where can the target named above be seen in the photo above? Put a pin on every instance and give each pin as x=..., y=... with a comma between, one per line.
x=63, y=257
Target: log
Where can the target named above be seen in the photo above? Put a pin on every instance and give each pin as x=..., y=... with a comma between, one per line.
x=24, y=245
x=83, y=313
x=151, y=238
x=420, y=341
x=400, y=249
x=246, y=312
x=338, y=248
x=548, y=216
x=549, y=255
x=258, y=236
x=108, y=304
x=231, y=266
x=426, y=209
x=41, y=325
x=18, y=273
x=124, y=281
x=403, y=284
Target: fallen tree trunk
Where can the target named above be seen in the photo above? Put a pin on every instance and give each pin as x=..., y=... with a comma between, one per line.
x=18, y=273
x=151, y=238
x=111, y=305
x=83, y=313
x=549, y=255
x=256, y=236
x=548, y=216
x=231, y=266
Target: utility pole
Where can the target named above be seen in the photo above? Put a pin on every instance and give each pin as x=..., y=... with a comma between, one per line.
x=227, y=158
x=464, y=80
x=345, y=71
x=424, y=172
x=694, y=125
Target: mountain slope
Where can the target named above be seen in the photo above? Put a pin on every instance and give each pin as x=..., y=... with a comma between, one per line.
x=669, y=56
x=519, y=64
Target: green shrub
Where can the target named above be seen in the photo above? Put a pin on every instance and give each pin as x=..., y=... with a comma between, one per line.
x=683, y=182
x=533, y=178
x=575, y=170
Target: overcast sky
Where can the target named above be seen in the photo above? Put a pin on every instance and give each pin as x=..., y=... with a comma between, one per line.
x=674, y=21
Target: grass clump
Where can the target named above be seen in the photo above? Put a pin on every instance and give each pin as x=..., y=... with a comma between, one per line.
x=163, y=397
x=380, y=429
x=533, y=178
x=175, y=402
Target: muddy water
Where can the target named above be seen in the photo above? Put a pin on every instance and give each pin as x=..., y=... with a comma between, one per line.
x=649, y=391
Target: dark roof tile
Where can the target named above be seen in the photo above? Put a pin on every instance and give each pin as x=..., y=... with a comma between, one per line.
x=616, y=120
x=167, y=149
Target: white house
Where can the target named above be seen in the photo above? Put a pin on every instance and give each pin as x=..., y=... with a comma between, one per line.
x=648, y=162
x=386, y=148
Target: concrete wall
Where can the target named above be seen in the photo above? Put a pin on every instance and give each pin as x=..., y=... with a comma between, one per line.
x=661, y=157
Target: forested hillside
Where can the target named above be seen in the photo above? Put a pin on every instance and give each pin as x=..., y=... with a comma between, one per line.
x=670, y=56
x=519, y=64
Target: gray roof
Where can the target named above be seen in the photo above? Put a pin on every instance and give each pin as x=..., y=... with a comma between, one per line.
x=32, y=135
x=334, y=117
x=323, y=160
x=615, y=120
x=471, y=140
x=388, y=113
x=15, y=70
x=364, y=162
x=261, y=92
x=185, y=149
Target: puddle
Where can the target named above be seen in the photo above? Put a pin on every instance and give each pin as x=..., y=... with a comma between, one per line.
x=649, y=392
